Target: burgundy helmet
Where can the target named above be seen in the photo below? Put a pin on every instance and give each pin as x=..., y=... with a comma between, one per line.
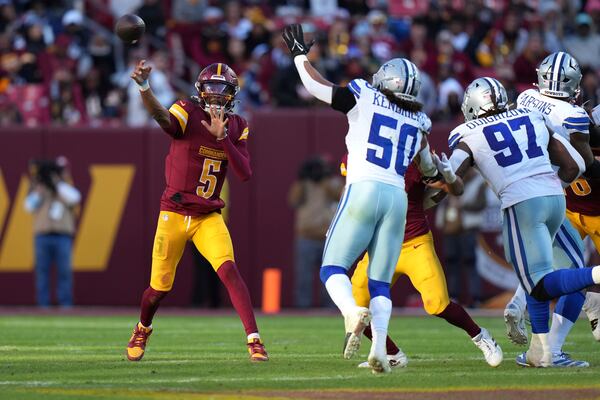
x=217, y=86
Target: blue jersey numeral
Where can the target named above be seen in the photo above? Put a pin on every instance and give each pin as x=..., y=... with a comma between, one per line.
x=386, y=145
x=508, y=142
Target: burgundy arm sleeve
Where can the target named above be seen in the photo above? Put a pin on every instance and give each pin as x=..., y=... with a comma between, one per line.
x=238, y=157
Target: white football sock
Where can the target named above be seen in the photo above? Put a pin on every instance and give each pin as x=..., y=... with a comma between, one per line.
x=559, y=330
x=519, y=299
x=539, y=349
x=339, y=288
x=381, y=310
x=253, y=336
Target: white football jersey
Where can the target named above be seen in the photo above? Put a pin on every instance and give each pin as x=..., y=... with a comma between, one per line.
x=382, y=139
x=561, y=116
x=510, y=150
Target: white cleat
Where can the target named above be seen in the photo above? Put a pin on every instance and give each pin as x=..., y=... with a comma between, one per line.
x=488, y=346
x=355, y=323
x=379, y=363
x=591, y=307
x=515, y=325
x=398, y=360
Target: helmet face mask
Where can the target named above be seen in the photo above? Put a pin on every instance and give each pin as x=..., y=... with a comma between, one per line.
x=559, y=76
x=400, y=77
x=217, y=86
x=482, y=96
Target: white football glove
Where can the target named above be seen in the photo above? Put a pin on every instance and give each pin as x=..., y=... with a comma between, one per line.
x=596, y=115
x=445, y=167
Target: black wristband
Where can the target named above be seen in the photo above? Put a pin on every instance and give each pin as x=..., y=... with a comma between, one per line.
x=593, y=171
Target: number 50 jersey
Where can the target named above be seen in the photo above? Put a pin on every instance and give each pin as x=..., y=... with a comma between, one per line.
x=382, y=138
x=510, y=150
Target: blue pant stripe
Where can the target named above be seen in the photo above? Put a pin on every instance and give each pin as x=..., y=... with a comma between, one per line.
x=561, y=242
x=511, y=248
x=580, y=261
x=336, y=218
x=522, y=249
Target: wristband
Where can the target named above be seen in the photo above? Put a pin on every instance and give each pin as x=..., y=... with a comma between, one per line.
x=144, y=85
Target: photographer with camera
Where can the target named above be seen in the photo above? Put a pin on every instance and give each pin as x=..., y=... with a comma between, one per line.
x=314, y=197
x=52, y=201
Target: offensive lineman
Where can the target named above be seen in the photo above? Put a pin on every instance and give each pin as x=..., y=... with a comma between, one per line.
x=513, y=150
x=559, y=76
x=386, y=131
x=207, y=138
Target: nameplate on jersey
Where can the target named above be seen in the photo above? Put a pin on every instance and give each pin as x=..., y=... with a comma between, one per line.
x=212, y=153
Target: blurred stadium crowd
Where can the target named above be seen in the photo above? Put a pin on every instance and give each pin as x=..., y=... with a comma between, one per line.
x=60, y=59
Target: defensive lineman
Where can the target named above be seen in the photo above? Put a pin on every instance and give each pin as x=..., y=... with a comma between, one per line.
x=559, y=76
x=513, y=150
x=386, y=131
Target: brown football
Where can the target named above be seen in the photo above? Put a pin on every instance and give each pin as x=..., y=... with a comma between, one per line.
x=130, y=28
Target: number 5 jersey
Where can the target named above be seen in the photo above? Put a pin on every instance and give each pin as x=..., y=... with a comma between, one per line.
x=196, y=166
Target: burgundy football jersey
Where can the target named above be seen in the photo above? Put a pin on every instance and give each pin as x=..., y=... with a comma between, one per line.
x=416, y=220
x=583, y=196
x=196, y=166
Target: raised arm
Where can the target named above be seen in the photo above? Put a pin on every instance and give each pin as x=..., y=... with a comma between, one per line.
x=312, y=80
x=140, y=75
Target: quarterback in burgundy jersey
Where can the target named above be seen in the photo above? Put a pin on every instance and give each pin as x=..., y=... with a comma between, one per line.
x=207, y=139
x=419, y=261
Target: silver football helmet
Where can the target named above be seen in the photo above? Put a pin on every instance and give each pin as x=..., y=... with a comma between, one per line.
x=482, y=96
x=559, y=76
x=399, y=76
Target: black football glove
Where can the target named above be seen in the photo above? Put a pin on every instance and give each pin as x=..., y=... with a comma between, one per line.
x=294, y=39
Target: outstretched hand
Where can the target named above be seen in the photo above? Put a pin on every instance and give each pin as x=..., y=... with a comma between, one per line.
x=294, y=39
x=141, y=72
x=218, y=122
x=445, y=167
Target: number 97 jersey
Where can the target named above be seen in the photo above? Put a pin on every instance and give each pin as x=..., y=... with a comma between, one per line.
x=382, y=138
x=510, y=150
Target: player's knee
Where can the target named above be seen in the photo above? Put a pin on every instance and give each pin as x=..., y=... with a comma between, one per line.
x=539, y=292
x=434, y=305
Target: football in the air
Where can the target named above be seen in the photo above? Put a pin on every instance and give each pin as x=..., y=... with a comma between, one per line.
x=130, y=28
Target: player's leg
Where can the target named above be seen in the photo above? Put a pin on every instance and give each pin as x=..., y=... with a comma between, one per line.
x=213, y=241
x=384, y=249
x=427, y=276
x=349, y=235
x=525, y=222
x=360, y=291
x=588, y=225
x=169, y=243
x=514, y=317
x=567, y=251
x=535, y=222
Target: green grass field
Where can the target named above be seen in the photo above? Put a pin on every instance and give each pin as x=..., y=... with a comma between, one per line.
x=67, y=357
